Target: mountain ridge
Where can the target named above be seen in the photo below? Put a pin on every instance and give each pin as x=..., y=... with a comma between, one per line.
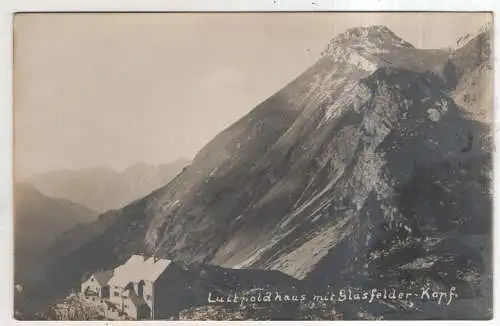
x=38, y=221
x=103, y=188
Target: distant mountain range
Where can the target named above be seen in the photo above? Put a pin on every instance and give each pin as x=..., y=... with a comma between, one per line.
x=371, y=169
x=102, y=188
x=52, y=217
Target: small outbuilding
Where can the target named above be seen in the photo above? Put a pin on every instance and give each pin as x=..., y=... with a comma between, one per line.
x=97, y=284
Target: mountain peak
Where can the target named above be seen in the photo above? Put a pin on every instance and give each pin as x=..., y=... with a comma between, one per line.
x=486, y=28
x=365, y=47
x=372, y=39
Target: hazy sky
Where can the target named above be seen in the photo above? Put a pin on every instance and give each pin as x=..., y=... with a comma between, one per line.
x=117, y=89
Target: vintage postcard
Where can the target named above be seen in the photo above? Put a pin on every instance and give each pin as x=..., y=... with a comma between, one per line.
x=253, y=166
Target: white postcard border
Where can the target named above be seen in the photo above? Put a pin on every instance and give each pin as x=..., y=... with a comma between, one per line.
x=8, y=7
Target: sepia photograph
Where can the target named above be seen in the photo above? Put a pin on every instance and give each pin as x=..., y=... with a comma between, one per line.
x=253, y=166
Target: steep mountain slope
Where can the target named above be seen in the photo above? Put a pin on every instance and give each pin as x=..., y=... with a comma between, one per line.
x=38, y=221
x=354, y=173
x=75, y=237
x=103, y=188
x=345, y=124
x=474, y=87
